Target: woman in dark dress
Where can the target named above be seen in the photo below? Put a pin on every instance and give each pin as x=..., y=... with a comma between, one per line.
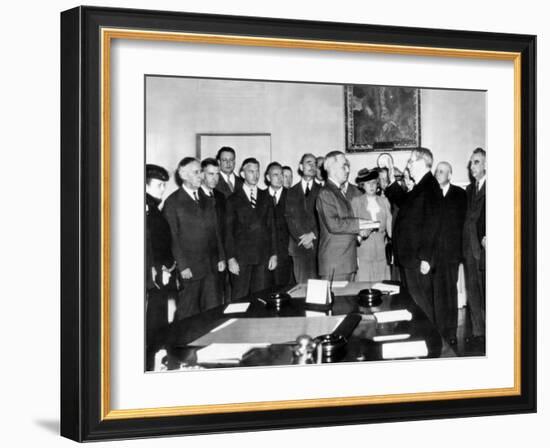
x=160, y=264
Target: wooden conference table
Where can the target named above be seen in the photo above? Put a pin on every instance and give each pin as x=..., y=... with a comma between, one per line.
x=358, y=325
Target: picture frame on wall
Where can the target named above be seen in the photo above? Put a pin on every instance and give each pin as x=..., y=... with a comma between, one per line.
x=149, y=91
x=382, y=117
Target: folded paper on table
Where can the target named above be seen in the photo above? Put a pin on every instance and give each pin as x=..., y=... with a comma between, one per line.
x=312, y=313
x=412, y=349
x=383, y=317
x=340, y=284
x=298, y=291
x=318, y=292
x=236, y=308
x=387, y=288
x=390, y=337
x=225, y=353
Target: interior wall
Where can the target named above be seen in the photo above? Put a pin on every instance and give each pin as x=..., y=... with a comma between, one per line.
x=300, y=118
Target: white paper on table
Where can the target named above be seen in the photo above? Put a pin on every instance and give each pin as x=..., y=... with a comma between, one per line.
x=312, y=313
x=236, y=308
x=317, y=292
x=230, y=353
x=391, y=337
x=340, y=284
x=298, y=290
x=412, y=349
x=383, y=317
x=384, y=287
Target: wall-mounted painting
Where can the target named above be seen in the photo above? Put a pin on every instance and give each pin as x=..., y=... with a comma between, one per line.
x=382, y=118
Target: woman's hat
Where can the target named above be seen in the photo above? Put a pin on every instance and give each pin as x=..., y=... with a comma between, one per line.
x=364, y=175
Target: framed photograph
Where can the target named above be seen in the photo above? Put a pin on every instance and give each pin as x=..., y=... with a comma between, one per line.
x=277, y=224
x=382, y=117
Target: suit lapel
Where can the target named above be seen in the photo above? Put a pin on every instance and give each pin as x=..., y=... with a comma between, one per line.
x=481, y=193
x=282, y=200
x=242, y=195
x=188, y=203
x=339, y=195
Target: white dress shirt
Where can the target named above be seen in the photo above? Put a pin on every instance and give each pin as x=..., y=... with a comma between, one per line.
x=207, y=191
x=190, y=192
x=339, y=186
x=277, y=193
x=305, y=184
x=227, y=178
x=445, y=189
x=248, y=189
x=480, y=182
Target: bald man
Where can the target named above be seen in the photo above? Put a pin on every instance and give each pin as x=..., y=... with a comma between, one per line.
x=448, y=252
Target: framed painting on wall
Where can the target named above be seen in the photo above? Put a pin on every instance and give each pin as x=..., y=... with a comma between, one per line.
x=382, y=117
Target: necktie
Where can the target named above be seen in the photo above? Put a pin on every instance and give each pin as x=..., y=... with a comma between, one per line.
x=274, y=199
x=252, y=199
x=477, y=186
x=308, y=190
x=231, y=186
x=196, y=196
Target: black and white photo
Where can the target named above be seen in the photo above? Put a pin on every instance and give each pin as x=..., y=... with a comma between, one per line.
x=312, y=223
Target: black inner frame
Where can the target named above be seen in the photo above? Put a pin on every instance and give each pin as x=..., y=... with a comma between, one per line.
x=81, y=223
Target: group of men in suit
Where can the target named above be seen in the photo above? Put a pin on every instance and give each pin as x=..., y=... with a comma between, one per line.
x=230, y=238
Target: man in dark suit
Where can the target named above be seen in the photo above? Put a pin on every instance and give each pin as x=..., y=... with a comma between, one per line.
x=474, y=241
x=196, y=241
x=448, y=253
x=210, y=178
x=274, y=177
x=229, y=182
x=416, y=228
x=339, y=228
x=250, y=236
x=301, y=218
x=159, y=261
